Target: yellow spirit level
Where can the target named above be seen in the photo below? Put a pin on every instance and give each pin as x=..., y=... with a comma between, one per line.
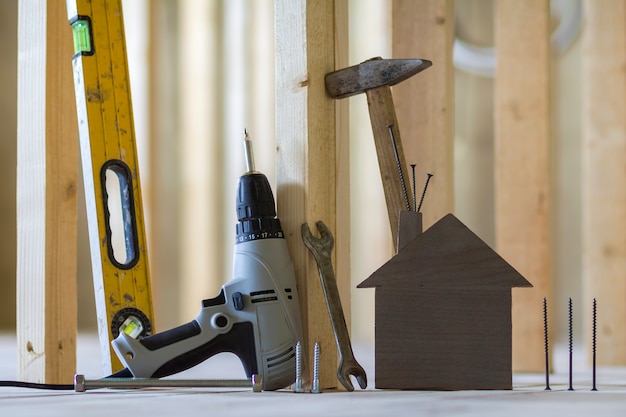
x=111, y=175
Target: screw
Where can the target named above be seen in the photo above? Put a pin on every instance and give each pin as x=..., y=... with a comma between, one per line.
x=81, y=384
x=315, y=389
x=414, y=190
x=419, y=208
x=298, y=383
x=399, y=165
x=593, y=340
x=571, y=388
x=545, y=339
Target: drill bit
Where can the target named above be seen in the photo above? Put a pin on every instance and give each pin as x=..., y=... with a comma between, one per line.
x=247, y=148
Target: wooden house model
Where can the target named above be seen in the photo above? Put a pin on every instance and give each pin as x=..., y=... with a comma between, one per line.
x=443, y=312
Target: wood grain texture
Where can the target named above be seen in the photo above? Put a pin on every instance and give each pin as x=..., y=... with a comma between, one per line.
x=305, y=160
x=443, y=313
x=390, y=152
x=424, y=104
x=342, y=166
x=46, y=195
x=522, y=174
x=604, y=164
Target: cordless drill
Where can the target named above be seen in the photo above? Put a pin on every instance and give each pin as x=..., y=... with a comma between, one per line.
x=256, y=315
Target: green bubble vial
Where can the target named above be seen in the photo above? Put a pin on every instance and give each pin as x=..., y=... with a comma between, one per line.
x=82, y=37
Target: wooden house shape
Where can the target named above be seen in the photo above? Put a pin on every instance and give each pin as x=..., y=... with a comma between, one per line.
x=443, y=312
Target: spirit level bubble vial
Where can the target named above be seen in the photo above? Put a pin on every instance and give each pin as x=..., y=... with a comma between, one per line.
x=111, y=174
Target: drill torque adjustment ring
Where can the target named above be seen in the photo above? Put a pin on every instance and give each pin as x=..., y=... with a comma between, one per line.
x=256, y=209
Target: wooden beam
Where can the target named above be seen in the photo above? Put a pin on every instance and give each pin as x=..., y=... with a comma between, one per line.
x=604, y=164
x=47, y=170
x=522, y=174
x=306, y=172
x=425, y=103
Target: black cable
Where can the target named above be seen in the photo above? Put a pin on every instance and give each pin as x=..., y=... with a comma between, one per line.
x=124, y=373
x=21, y=384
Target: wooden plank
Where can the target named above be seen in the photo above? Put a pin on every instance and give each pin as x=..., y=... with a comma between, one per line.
x=306, y=170
x=522, y=175
x=604, y=164
x=46, y=195
x=8, y=155
x=425, y=103
x=342, y=155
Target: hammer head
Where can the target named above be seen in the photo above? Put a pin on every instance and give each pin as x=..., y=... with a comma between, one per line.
x=370, y=74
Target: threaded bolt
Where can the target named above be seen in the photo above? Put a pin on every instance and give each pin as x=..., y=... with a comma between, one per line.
x=315, y=389
x=298, y=383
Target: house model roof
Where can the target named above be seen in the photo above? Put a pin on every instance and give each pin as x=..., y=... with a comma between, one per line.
x=448, y=254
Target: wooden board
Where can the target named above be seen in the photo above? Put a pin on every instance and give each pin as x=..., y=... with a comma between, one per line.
x=604, y=182
x=46, y=195
x=522, y=175
x=425, y=103
x=306, y=161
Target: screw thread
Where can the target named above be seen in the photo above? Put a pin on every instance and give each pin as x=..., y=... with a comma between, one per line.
x=593, y=344
x=546, y=345
x=571, y=344
x=419, y=208
x=414, y=187
x=316, y=369
x=298, y=383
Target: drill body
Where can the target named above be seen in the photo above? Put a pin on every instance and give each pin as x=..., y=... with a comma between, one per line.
x=256, y=315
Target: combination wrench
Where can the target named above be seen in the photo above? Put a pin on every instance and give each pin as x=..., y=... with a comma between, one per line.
x=321, y=249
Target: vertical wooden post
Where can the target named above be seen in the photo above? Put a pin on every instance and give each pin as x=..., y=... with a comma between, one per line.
x=47, y=169
x=425, y=103
x=522, y=175
x=604, y=182
x=306, y=172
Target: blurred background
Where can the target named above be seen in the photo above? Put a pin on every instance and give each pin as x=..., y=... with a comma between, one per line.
x=202, y=70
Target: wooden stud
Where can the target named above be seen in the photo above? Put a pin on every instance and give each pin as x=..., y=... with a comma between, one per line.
x=604, y=164
x=522, y=175
x=47, y=172
x=342, y=229
x=306, y=172
x=424, y=104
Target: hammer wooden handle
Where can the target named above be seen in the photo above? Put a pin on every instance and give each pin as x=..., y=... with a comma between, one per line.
x=382, y=116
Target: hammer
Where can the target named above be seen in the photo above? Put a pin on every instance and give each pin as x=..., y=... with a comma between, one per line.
x=375, y=77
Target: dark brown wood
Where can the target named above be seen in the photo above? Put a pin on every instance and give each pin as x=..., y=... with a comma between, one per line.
x=443, y=313
x=409, y=227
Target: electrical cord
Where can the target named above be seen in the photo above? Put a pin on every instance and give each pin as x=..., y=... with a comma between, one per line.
x=124, y=373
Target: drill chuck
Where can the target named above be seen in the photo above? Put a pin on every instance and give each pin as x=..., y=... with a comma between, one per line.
x=256, y=213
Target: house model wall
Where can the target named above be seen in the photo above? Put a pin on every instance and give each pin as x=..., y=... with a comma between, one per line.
x=443, y=313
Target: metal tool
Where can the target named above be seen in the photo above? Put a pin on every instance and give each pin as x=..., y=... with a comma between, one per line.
x=315, y=384
x=256, y=315
x=374, y=78
x=297, y=385
x=115, y=219
x=81, y=384
x=321, y=249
